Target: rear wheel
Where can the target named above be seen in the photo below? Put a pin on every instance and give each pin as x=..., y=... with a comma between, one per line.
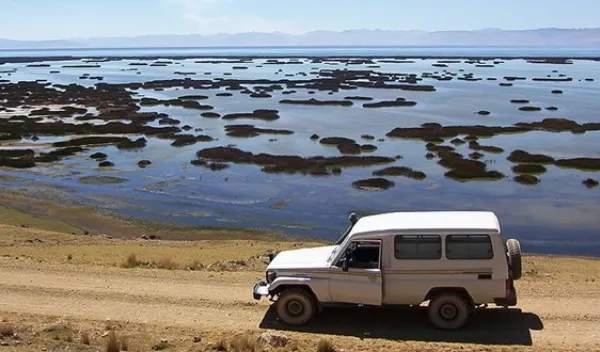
x=295, y=306
x=513, y=248
x=449, y=311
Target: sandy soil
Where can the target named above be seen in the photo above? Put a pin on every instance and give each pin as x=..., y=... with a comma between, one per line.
x=51, y=298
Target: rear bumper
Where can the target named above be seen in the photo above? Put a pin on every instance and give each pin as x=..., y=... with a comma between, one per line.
x=260, y=290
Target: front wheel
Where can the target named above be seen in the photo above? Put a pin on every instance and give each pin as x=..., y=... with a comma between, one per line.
x=295, y=306
x=449, y=311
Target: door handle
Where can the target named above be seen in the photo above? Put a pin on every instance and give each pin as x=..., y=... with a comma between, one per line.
x=484, y=276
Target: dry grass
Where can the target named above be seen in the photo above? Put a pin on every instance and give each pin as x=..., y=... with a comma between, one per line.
x=195, y=265
x=325, y=346
x=94, y=250
x=112, y=343
x=124, y=344
x=166, y=263
x=162, y=345
x=131, y=262
x=221, y=345
x=142, y=336
x=85, y=338
x=6, y=329
x=245, y=343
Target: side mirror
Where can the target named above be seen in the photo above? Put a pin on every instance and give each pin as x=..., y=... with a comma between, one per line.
x=344, y=262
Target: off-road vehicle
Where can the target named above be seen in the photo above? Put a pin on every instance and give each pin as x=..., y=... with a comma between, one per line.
x=455, y=261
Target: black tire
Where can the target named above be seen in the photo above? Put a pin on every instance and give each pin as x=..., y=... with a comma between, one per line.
x=513, y=248
x=295, y=306
x=449, y=311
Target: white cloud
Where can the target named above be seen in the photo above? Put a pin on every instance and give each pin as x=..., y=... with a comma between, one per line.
x=219, y=16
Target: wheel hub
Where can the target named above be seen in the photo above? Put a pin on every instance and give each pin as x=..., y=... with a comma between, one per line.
x=448, y=311
x=295, y=308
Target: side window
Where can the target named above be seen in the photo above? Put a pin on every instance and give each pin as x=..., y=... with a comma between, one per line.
x=417, y=247
x=469, y=247
x=364, y=254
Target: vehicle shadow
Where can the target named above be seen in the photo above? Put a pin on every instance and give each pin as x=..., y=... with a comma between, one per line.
x=492, y=326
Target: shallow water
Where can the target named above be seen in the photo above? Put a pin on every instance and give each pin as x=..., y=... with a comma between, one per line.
x=559, y=215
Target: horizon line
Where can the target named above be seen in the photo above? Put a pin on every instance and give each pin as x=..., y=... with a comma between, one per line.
x=285, y=47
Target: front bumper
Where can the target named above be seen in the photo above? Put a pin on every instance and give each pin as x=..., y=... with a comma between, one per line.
x=260, y=289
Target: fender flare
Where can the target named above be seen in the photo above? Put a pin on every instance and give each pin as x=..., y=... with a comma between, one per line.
x=288, y=281
x=280, y=283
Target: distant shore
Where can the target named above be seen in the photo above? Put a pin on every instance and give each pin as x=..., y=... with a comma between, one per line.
x=105, y=58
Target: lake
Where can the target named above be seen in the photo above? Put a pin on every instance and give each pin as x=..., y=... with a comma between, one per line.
x=555, y=213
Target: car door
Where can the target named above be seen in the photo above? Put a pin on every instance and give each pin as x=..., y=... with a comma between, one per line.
x=362, y=282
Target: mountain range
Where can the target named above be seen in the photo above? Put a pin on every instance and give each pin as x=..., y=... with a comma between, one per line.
x=548, y=37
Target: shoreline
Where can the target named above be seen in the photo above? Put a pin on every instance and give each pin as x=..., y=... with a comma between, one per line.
x=102, y=223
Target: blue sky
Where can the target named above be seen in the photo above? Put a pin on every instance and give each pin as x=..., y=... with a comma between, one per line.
x=58, y=19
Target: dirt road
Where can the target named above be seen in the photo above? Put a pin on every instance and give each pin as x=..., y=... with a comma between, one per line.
x=552, y=317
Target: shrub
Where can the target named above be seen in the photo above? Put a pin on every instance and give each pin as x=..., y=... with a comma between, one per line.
x=124, y=344
x=244, y=343
x=196, y=265
x=6, y=329
x=167, y=263
x=85, y=338
x=112, y=344
x=131, y=262
x=325, y=346
x=221, y=345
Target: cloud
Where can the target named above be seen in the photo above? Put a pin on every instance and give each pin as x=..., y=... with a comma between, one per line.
x=219, y=16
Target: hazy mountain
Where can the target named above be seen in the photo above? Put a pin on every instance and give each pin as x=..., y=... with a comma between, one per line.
x=485, y=37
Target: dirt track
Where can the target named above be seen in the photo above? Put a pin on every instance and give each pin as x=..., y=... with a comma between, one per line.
x=551, y=318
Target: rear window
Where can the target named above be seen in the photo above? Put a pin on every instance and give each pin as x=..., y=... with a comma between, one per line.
x=417, y=247
x=469, y=247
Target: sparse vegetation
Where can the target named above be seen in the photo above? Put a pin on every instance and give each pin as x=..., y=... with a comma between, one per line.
x=195, y=265
x=325, y=346
x=131, y=262
x=85, y=338
x=162, y=345
x=166, y=263
x=6, y=329
x=112, y=342
x=244, y=343
x=124, y=344
x=221, y=345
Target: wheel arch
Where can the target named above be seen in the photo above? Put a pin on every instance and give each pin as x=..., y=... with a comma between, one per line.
x=440, y=290
x=318, y=288
x=303, y=286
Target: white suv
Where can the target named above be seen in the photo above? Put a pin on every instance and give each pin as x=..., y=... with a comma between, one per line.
x=455, y=260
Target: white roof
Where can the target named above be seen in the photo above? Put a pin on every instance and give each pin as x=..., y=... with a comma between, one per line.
x=428, y=220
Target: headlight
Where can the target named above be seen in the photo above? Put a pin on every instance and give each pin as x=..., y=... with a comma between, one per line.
x=271, y=275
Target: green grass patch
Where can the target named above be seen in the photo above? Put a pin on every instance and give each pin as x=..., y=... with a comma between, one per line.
x=8, y=178
x=14, y=217
x=102, y=180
